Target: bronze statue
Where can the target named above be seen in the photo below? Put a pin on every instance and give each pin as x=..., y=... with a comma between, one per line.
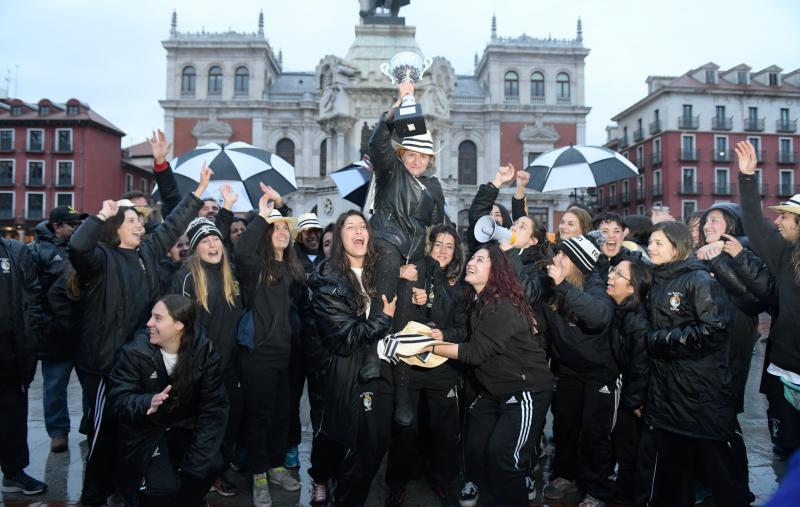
x=368, y=7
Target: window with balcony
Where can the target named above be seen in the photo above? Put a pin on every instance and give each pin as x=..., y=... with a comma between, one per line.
x=63, y=140
x=241, y=81
x=511, y=84
x=7, y=172
x=6, y=205
x=537, y=86
x=688, y=151
x=35, y=175
x=612, y=194
x=688, y=208
x=323, y=158
x=562, y=88
x=720, y=121
x=626, y=196
x=762, y=189
x=285, y=149
x=600, y=196
x=785, y=124
x=722, y=184
x=785, y=154
x=143, y=185
x=65, y=199
x=638, y=134
x=128, y=182
x=721, y=153
x=756, y=142
x=188, y=80
x=688, y=181
x=64, y=173
x=215, y=80
x=656, y=152
x=657, y=190
x=6, y=139
x=35, y=140
x=640, y=156
x=655, y=126
x=687, y=119
x=34, y=205
x=467, y=163
x=639, y=188
x=786, y=182
x=753, y=122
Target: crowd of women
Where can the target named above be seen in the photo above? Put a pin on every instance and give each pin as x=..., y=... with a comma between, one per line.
x=637, y=338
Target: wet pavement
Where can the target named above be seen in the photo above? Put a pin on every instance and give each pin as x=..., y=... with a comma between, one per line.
x=63, y=471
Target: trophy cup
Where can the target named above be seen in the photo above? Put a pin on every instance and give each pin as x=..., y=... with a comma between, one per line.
x=407, y=67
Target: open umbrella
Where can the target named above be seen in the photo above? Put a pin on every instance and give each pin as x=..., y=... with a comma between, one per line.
x=239, y=165
x=577, y=167
x=353, y=181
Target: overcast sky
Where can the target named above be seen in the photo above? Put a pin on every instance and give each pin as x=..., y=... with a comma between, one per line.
x=109, y=54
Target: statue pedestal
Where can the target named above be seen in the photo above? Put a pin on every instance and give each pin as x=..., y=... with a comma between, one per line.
x=376, y=44
x=384, y=20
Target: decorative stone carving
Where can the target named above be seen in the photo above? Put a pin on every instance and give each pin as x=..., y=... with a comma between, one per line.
x=212, y=131
x=538, y=132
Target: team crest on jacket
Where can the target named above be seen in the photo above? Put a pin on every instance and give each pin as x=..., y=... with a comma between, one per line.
x=675, y=300
x=366, y=399
x=5, y=265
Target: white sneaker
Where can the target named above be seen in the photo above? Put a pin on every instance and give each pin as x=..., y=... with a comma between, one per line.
x=282, y=477
x=261, y=496
x=469, y=495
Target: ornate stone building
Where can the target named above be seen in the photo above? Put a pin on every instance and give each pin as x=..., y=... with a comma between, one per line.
x=525, y=96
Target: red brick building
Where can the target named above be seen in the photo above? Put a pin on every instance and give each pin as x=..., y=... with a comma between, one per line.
x=53, y=154
x=682, y=135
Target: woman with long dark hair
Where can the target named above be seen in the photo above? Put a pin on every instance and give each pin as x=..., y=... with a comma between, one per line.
x=691, y=404
x=207, y=279
x=515, y=382
x=166, y=391
x=118, y=270
x=274, y=289
x=357, y=419
x=439, y=298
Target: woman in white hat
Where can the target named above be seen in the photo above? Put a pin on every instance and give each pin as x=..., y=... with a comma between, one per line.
x=274, y=290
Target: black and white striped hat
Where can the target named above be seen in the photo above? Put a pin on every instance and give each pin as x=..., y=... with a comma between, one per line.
x=200, y=228
x=583, y=250
x=422, y=143
x=308, y=221
x=791, y=206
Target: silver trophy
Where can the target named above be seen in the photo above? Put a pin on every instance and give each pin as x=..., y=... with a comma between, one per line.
x=407, y=67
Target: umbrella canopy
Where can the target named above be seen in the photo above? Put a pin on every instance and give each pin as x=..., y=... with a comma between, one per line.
x=353, y=181
x=578, y=166
x=239, y=165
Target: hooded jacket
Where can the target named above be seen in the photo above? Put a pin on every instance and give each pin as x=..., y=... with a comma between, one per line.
x=348, y=336
x=448, y=306
x=404, y=205
x=628, y=333
x=690, y=389
x=106, y=302
x=138, y=374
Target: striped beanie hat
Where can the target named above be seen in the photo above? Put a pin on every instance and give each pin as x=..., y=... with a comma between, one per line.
x=421, y=143
x=583, y=250
x=200, y=228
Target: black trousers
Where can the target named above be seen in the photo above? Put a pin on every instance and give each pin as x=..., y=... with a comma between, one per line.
x=626, y=436
x=584, y=414
x=437, y=389
x=98, y=482
x=783, y=418
x=500, y=437
x=681, y=459
x=233, y=430
x=266, y=411
x=361, y=463
x=644, y=485
x=297, y=377
x=326, y=458
x=13, y=428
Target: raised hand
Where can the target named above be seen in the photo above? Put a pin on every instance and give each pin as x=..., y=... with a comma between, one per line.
x=205, y=176
x=418, y=296
x=709, y=251
x=109, y=209
x=408, y=272
x=523, y=177
x=159, y=400
x=406, y=89
x=389, y=307
x=159, y=146
x=265, y=205
x=732, y=245
x=505, y=174
x=746, y=154
x=229, y=197
x=274, y=195
x=556, y=271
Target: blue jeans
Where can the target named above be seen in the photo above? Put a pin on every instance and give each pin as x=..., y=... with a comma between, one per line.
x=55, y=377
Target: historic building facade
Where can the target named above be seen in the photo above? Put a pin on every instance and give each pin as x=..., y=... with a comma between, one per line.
x=525, y=96
x=682, y=135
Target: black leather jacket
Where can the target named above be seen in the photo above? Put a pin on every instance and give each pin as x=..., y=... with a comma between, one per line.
x=404, y=205
x=691, y=390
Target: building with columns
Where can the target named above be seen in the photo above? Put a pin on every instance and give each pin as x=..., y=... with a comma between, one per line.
x=524, y=96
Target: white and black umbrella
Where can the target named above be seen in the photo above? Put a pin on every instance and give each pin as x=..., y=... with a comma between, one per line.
x=239, y=165
x=353, y=181
x=577, y=167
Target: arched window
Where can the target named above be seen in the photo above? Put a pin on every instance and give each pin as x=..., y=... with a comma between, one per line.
x=537, y=85
x=215, y=80
x=467, y=163
x=323, y=158
x=562, y=86
x=241, y=81
x=285, y=150
x=511, y=88
x=188, y=77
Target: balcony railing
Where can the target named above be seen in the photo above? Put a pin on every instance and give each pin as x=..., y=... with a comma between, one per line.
x=623, y=141
x=640, y=194
x=688, y=122
x=537, y=99
x=626, y=197
x=724, y=189
x=638, y=135
x=655, y=159
x=639, y=162
x=563, y=101
x=754, y=124
x=657, y=190
x=787, y=190
x=655, y=127
x=787, y=157
x=693, y=188
x=690, y=154
x=721, y=123
x=789, y=126
x=722, y=155
x=511, y=100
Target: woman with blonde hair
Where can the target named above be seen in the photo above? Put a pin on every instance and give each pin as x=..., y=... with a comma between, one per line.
x=574, y=222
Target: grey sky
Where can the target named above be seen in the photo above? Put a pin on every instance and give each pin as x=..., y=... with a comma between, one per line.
x=109, y=54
